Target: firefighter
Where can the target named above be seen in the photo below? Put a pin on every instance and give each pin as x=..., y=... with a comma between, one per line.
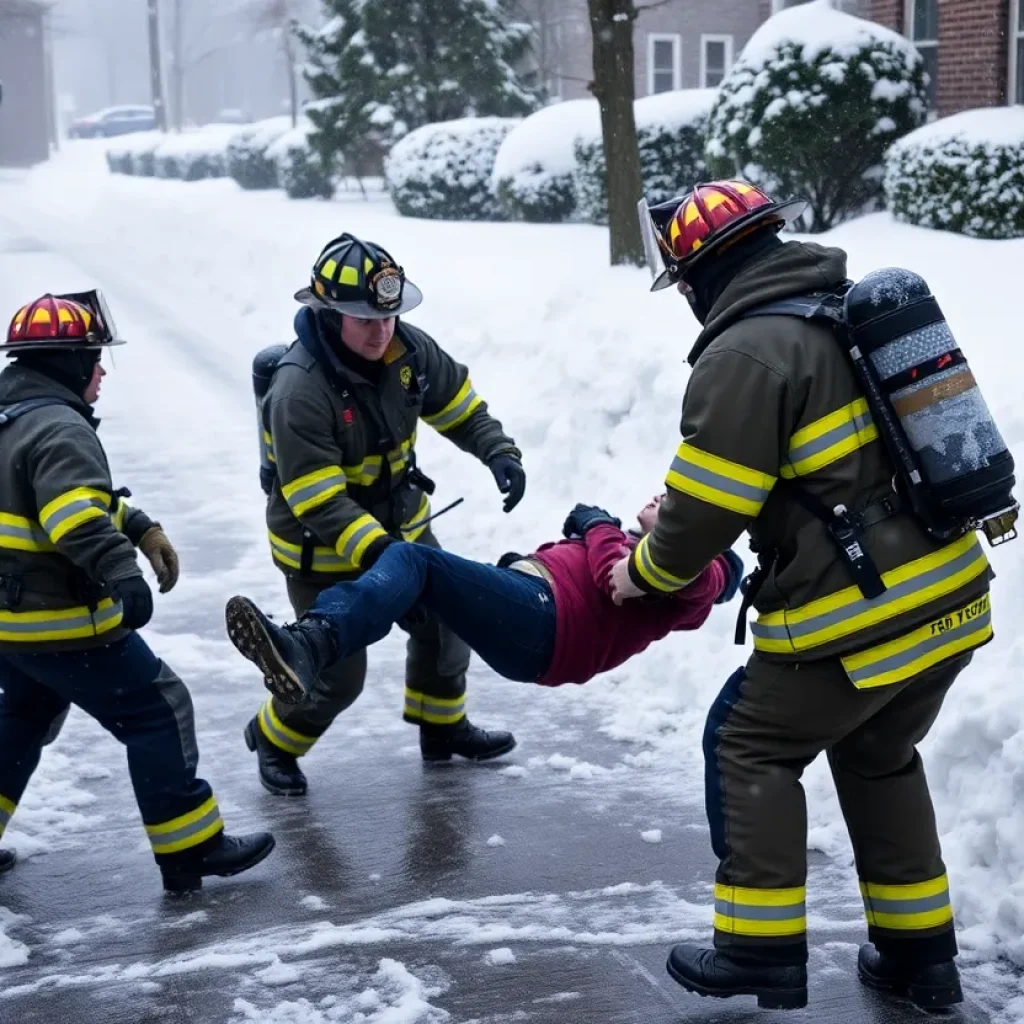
x=341, y=417
x=862, y=679
x=72, y=597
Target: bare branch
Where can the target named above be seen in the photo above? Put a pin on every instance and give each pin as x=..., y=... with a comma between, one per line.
x=654, y=5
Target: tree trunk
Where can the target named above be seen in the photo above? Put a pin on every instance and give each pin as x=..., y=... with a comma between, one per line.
x=156, y=79
x=178, y=64
x=611, y=25
x=292, y=70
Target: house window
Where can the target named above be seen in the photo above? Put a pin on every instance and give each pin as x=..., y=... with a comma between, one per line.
x=924, y=31
x=715, y=60
x=664, y=64
x=1017, y=41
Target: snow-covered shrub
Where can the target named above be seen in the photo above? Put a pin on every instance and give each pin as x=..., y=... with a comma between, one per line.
x=248, y=162
x=192, y=156
x=670, y=128
x=300, y=167
x=535, y=166
x=963, y=173
x=443, y=171
x=811, y=106
x=134, y=154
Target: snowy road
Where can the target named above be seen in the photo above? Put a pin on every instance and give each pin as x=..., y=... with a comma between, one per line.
x=545, y=889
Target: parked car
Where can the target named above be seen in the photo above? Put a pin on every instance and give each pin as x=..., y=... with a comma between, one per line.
x=111, y=121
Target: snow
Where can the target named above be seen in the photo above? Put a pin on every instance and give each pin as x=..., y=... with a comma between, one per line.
x=986, y=127
x=544, y=141
x=817, y=27
x=651, y=835
x=586, y=371
x=315, y=903
x=496, y=840
x=497, y=957
x=208, y=140
x=259, y=135
x=675, y=109
x=294, y=138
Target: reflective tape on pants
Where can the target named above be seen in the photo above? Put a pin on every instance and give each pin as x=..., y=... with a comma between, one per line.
x=434, y=710
x=760, y=913
x=187, y=830
x=903, y=908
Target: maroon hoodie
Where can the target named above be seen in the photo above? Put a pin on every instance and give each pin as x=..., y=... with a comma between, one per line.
x=593, y=634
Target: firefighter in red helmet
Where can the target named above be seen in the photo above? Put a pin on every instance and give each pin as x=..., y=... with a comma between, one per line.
x=72, y=597
x=777, y=440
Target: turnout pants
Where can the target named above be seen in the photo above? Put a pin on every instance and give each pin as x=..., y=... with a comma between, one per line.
x=435, y=679
x=768, y=723
x=142, y=703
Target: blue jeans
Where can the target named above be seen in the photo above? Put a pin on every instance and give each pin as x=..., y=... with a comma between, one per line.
x=507, y=617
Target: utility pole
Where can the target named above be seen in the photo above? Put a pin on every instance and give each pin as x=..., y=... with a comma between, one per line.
x=156, y=79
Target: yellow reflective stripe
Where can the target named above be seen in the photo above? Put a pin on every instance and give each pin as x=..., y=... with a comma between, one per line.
x=421, y=513
x=268, y=446
x=458, y=410
x=187, y=830
x=120, y=514
x=280, y=735
x=829, y=439
x=63, y=624
x=20, y=534
x=718, y=481
x=357, y=537
x=7, y=808
x=434, y=710
x=325, y=560
x=314, y=489
x=71, y=509
x=657, y=577
x=398, y=457
x=760, y=912
x=908, y=907
x=936, y=641
x=365, y=473
x=909, y=586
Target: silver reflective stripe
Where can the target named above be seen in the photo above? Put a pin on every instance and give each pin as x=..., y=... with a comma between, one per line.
x=304, y=494
x=97, y=619
x=353, y=542
x=186, y=831
x=837, y=434
x=24, y=533
x=931, y=643
x=442, y=710
x=857, y=607
x=746, y=912
x=54, y=519
x=915, y=906
x=449, y=416
x=179, y=700
x=719, y=482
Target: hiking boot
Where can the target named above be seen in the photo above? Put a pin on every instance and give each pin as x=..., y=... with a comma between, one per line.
x=289, y=657
x=8, y=858
x=230, y=856
x=710, y=972
x=279, y=771
x=440, y=742
x=927, y=986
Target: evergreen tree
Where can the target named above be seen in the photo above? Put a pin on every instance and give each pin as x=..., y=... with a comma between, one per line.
x=379, y=70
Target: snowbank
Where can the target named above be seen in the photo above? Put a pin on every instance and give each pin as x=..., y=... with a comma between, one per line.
x=673, y=110
x=963, y=173
x=248, y=162
x=444, y=170
x=195, y=154
x=300, y=169
x=533, y=171
x=133, y=154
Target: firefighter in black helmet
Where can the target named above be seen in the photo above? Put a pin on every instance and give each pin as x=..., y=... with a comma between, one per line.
x=340, y=420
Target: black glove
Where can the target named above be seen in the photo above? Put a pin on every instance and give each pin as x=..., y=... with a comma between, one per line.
x=136, y=601
x=375, y=550
x=584, y=517
x=510, y=477
x=417, y=615
x=732, y=578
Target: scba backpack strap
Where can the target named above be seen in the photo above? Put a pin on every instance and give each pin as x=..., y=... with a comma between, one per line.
x=9, y=413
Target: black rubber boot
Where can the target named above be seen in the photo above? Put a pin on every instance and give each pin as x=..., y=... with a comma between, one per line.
x=279, y=771
x=710, y=972
x=288, y=656
x=929, y=986
x=8, y=858
x=231, y=856
x=441, y=742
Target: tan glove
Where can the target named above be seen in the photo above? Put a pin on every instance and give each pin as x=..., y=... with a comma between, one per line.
x=162, y=557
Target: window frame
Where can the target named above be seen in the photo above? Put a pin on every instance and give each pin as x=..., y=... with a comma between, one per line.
x=712, y=37
x=676, y=40
x=932, y=44
x=1016, y=36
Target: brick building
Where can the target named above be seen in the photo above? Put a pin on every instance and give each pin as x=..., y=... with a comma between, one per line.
x=974, y=48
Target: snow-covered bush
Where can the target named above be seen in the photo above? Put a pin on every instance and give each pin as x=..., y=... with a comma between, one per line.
x=963, y=173
x=811, y=106
x=134, y=154
x=443, y=171
x=670, y=128
x=248, y=162
x=300, y=167
x=192, y=156
x=535, y=166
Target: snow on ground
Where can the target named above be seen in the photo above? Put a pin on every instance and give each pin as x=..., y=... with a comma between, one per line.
x=586, y=370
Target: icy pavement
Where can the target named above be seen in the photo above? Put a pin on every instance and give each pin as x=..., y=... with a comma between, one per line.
x=390, y=899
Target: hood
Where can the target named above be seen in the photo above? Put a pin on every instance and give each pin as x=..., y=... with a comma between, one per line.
x=795, y=269
x=18, y=383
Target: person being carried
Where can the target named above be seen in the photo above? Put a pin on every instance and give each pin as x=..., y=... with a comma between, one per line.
x=544, y=618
